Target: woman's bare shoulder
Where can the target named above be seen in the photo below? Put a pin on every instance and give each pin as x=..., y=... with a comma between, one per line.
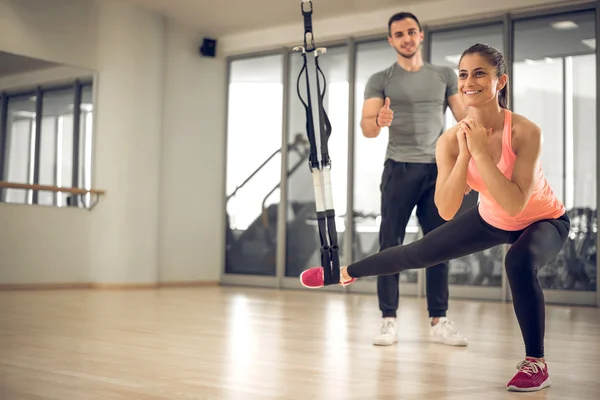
x=447, y=144
x=447, y=140
x=524, y=130
x=522, y=122
x=450, y=133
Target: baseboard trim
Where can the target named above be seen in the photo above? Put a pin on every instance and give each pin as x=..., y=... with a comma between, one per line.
x=176, y=284
x=44, y=286
x=123, y=286
x=105, y=286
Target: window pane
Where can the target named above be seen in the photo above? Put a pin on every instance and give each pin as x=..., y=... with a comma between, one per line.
x=303, y=244
x=47, y=159
x=56, y=158
x=86, y=121
x=19, y=143
x=369, y=156
x=447, y=47
x=253, y=136
x=584, y=130
x=555, y=87
x=483, y=268
x=580, y=254
x=64, y=158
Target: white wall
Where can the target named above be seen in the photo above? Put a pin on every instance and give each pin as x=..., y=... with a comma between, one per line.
x=153, y=91
x=192, y=173
x=124, y=233
x=44, y=244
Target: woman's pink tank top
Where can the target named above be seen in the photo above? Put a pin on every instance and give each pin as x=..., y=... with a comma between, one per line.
x=543, y=203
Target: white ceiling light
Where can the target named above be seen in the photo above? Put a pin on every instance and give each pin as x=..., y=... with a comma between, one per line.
x=453, y=59
x=25, y=114
x=591, y=43
x=563, y=25
x=84, y=107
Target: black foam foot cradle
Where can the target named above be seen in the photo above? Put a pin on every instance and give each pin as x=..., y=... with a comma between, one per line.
x=320, y=169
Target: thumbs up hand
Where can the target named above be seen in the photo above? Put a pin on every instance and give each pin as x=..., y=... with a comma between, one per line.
x=386, y=115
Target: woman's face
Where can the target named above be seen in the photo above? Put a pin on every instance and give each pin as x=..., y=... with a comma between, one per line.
x=478, y=82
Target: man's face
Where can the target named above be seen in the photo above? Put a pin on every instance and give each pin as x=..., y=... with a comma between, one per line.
x=405, y=37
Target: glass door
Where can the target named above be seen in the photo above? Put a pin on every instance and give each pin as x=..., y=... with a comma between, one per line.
x=253, y=170
x=554, y=85
x=478, y=275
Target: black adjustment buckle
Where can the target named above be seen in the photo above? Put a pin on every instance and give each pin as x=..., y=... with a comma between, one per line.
x=308, y=26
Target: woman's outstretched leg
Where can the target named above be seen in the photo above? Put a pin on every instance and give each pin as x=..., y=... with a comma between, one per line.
x=537, y=246
x=465, y=234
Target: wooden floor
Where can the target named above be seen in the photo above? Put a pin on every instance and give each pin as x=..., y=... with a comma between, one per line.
x=247, y=343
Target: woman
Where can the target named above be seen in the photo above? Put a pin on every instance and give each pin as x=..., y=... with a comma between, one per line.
x=496, y=153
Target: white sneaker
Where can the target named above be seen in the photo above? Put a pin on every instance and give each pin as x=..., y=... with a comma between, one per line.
x=445, y=332
x=388, y=333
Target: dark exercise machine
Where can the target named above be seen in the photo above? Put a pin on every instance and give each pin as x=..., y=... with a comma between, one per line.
x=575, y=266
x=254, y=250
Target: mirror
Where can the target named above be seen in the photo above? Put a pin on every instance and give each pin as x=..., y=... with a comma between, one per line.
x=44, y=138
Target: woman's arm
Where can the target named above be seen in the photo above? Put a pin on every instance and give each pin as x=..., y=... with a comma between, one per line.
x=511, y=194
x=452, y=157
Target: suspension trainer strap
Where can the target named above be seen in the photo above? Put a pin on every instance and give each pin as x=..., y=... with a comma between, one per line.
x=320, y=169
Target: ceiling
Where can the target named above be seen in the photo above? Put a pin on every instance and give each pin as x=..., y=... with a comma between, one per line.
x=228, y=17
x=11, y=64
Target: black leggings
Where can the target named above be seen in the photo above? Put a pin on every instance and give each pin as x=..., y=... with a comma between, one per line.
x=531, y=249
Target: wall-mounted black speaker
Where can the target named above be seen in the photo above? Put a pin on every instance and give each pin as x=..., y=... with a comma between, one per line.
x=209, y=47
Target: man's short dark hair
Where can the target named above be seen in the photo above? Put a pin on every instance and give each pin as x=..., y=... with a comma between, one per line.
x=399, y=17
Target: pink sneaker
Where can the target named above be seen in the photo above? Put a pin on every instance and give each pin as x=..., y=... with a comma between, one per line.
x=313, y=278
x=532, y=376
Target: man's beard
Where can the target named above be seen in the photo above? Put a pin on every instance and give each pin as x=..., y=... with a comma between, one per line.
x=408, y=56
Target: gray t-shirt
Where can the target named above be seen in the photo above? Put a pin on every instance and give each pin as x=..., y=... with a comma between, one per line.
x=419, y=101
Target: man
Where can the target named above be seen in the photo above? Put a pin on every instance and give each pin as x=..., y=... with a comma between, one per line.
x=410, y=98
